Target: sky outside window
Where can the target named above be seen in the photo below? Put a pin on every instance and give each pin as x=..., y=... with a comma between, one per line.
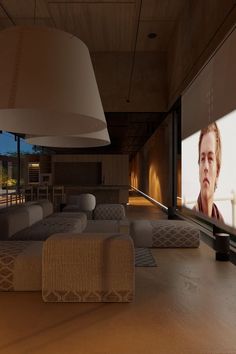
x=8, y=145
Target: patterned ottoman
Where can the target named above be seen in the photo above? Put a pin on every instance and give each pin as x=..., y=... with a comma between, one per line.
x=20, y=265
x=164, y=233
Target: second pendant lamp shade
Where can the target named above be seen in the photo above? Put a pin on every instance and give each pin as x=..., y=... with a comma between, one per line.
x=47, y=83
x=95, y=139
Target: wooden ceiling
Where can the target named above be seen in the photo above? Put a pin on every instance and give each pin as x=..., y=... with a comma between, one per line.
x=137, y=75
x=103, y=25
x=129, y=66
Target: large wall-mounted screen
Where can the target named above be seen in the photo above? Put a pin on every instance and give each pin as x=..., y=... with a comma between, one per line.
x=209, y=171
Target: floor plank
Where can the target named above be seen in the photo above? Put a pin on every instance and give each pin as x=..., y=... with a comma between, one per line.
x=185, y=305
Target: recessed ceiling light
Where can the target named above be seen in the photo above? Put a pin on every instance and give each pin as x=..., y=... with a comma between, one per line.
x=152, y=35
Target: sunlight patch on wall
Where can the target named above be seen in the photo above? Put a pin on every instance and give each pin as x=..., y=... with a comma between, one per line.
x=154, y=188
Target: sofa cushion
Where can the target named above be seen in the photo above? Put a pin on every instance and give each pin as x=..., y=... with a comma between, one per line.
x=35, y=213
x=119, y=226
x=84, y=202
x=102, y=226
x=45, y=204
x=13, y=221
x=109, y=212
x=47, y=207
x=82, y=217
x=48, y=226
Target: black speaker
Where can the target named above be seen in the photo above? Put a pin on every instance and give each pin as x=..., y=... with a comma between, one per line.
x=222, y=246
x=171, y=213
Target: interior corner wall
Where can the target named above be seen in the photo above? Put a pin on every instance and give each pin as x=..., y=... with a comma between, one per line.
x=115, y=168
x=150, y=169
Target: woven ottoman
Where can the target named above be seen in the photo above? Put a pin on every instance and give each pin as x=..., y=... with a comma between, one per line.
x=164, y=233
x=88, y=268
x=20, y=265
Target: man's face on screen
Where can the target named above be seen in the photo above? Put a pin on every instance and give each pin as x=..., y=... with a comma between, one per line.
x=207, y=165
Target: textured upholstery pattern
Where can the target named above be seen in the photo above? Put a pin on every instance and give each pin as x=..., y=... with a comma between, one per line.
x=48, y=226
x=109, y=212
x=119, y=226
x=26, y=222
x=102, y=226
x=20, y=265
x=164, y=233
x=174, y=233
x=82, y=217
x=88, y=268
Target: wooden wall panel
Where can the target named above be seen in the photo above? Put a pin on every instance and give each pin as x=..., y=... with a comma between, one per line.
x=151, y=168
x=114, y=167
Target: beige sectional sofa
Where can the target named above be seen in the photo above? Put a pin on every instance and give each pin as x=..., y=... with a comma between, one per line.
x=36, y=222
x=101, y=217
x=70, y=258
x=42, y=250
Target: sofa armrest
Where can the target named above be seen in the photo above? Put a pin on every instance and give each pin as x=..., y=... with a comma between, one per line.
x=124, y=226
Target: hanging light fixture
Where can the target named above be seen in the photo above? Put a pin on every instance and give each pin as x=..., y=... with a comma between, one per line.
x=47, y=83
x=95, y=139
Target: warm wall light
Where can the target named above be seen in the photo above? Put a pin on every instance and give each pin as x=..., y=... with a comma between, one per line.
x=47, y=83
x=94, y=139
x=34, y=164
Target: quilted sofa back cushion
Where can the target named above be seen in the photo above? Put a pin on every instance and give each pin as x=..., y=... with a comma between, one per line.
x=109, y=212
x=13, y=221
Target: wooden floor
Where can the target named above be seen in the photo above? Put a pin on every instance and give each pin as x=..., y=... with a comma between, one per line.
x=185, y=305
x=141, y=208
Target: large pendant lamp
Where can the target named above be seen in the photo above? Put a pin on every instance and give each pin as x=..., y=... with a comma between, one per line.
x=47, y=83
x=95, y=139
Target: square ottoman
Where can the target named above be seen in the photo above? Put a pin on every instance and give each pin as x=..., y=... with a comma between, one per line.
x=164, y=233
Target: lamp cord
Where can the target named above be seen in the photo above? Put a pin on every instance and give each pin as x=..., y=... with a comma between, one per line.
x=35, y=8
x=7, y=14
x=134, y=54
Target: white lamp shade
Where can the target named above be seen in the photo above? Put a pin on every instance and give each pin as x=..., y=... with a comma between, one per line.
x=94, y=139
x=47, y=83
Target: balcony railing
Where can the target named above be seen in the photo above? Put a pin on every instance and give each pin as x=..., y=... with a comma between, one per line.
x=9, y=197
